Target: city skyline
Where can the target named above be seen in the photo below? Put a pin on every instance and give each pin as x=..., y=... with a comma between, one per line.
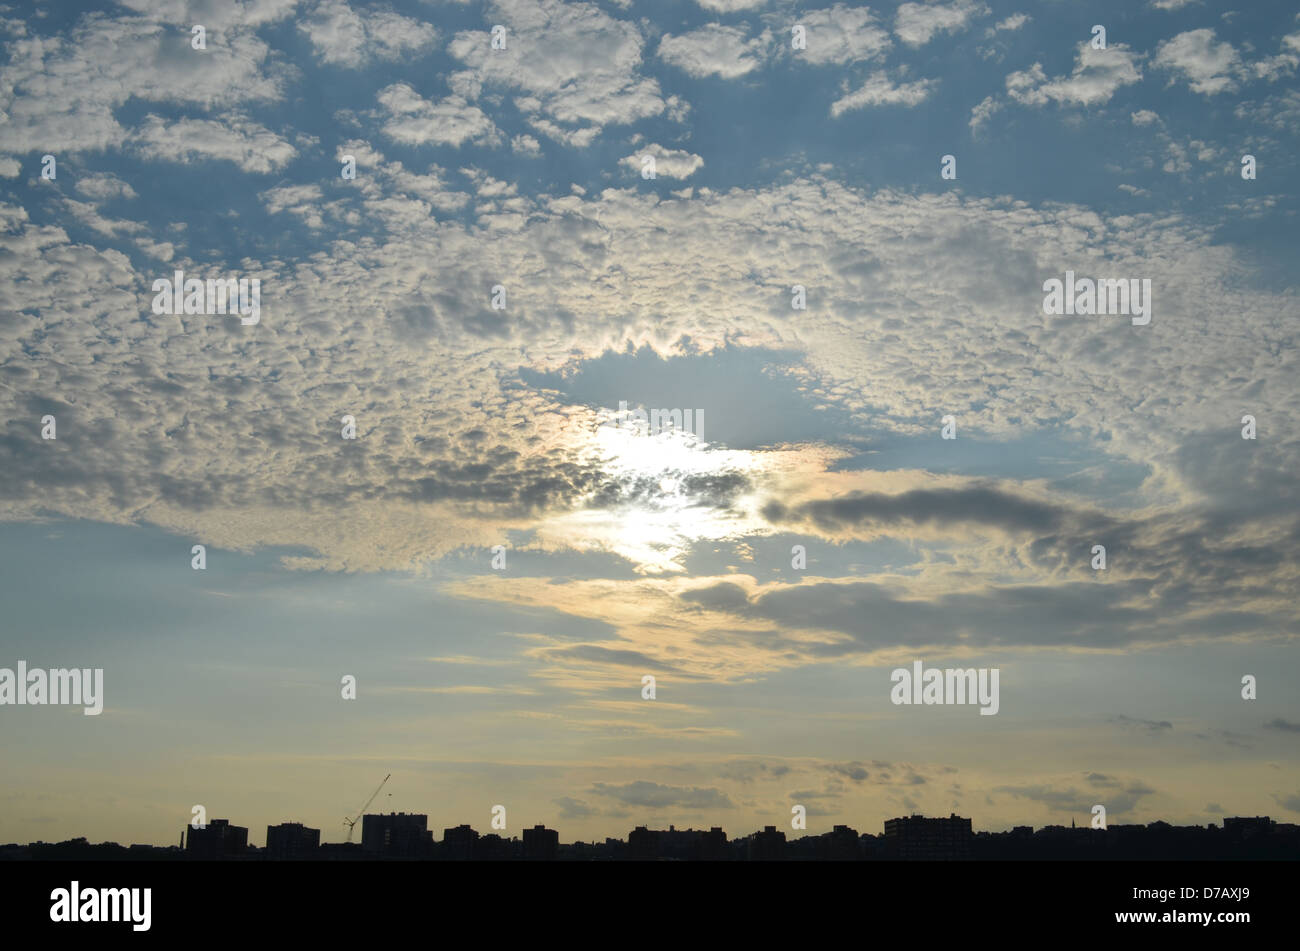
x=676, y=411
x=407, y=836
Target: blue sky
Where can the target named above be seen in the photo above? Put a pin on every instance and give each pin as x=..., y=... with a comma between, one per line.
x=632, y=554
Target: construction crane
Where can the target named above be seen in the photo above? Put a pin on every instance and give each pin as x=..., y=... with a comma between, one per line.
x=351, y=823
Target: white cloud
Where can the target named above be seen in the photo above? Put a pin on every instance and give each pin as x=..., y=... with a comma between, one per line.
x=879, y=90
x=64, y=91
x=1283, y=64
x=88, y=215
x=669, y=163
x=232, y=138
x=982, y=112
x=301, y=200
x=729, y=6
x=420, y=291
x=1208, y=65
x=1010, y=24
x=837, y=35
x=414, y=120
x=714, y=50
x=918, y=23
x=162, y=250
x=343, y=37
x=1096, y=76
x=525, y=145
x=102, y=186
x=1144, y=117
x=577, y=67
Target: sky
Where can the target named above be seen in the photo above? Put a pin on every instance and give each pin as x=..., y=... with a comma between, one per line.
x=502, y=274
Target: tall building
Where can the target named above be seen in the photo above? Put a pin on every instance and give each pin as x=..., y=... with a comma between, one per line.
x=494, y=848
x=396, y=835
x=916, y=837
x=217, y=840
x=767, y=846
x=642, y=844
x=1242, y=828
x=677, y=845
x=459, y=844
x=291, y=840
x=541, y=843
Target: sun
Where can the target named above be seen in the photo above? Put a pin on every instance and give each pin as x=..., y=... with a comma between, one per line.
x=660, y=514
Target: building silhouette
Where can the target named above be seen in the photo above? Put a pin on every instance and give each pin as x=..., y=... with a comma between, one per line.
x=676, y=845
x=916, y=837
x=458, y=844
x=292, y=840
x=541, y=844
x=216, y=840
x=402, y=836
x=841, y=844
x=766, y=846
x=396, y=835
x=495, y=848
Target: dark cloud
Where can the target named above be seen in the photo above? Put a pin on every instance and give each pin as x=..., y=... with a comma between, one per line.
x=981, y=505
x=571, y=808
x=605, y=655
x=656, y=796
x=1154, y=726
x=1071, y=800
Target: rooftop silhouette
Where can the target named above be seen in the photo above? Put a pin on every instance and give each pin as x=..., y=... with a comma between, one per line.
x=406, y=837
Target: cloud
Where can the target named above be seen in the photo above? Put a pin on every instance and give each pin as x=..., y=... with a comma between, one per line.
x=1070, y=800
x=414, y=120
x=670, y=163
x=918, y=23
x=838, y=35
x=1096, y=76
x=1010, y=24
x=1289, y=803
x=1208, y=65
x=1154, y=726
x=978, y=504
x=525, y=145
x=1285, y=725
x=879, y=90
x=65, y=91
x=982, y=112
x=571, y=808
x=103, y=186
x=344, y=37
x=576, y=68
x=231, y=138
x=650, y=795
x=714, y=50
x=729, y=6
x=424, y=479
x=301, y=200
x=853, y=771
x=605, y=655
